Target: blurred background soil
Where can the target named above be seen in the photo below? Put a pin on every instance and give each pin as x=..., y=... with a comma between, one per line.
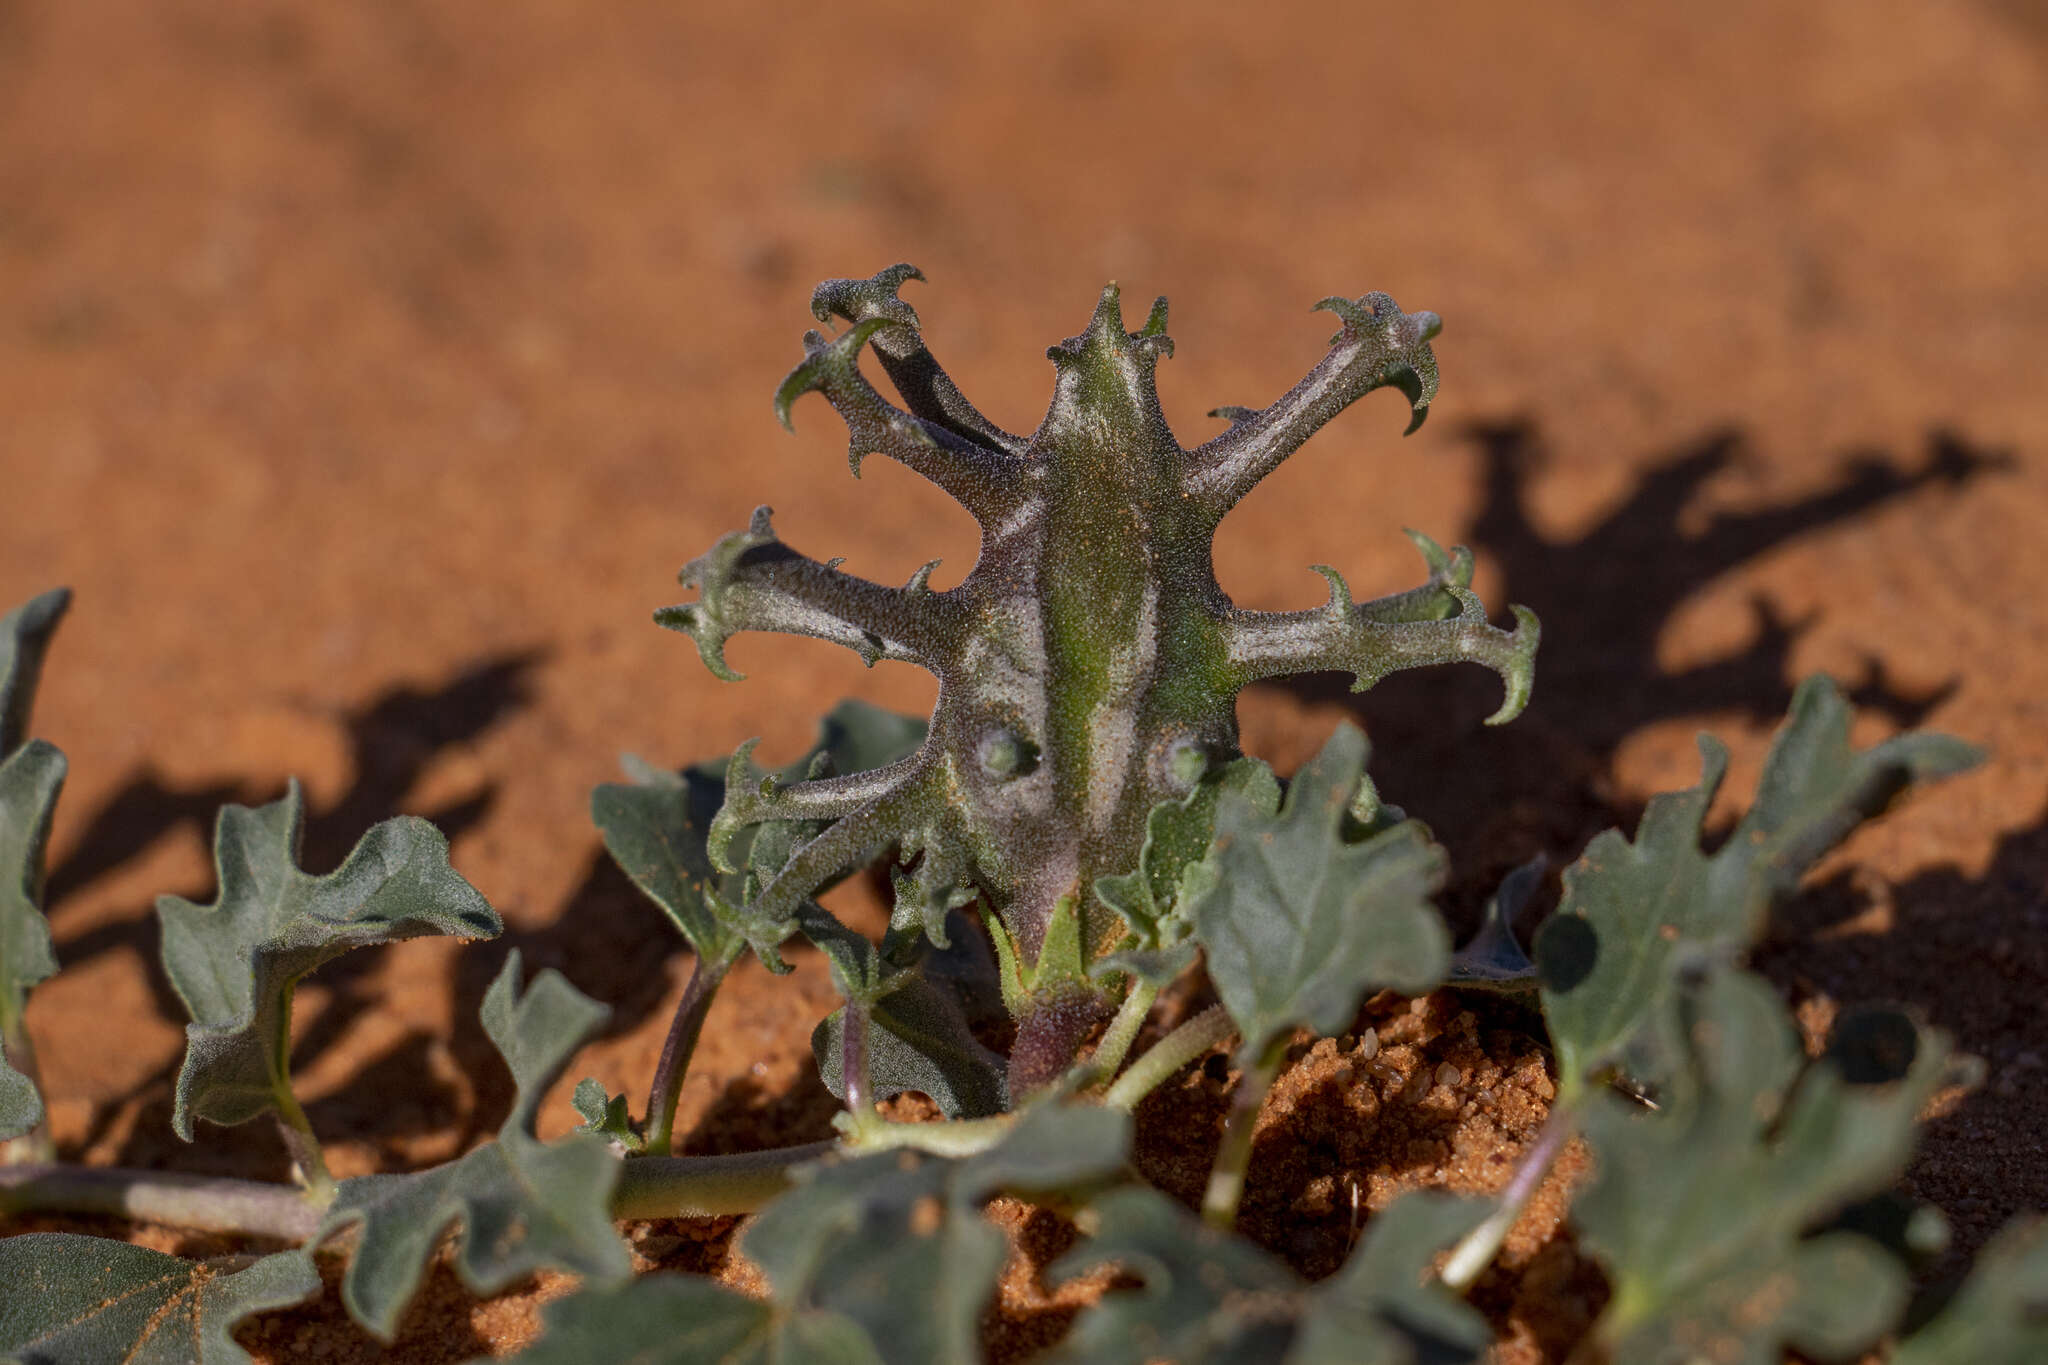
x=369, y=369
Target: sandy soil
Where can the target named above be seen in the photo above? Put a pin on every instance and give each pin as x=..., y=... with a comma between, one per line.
x=369, y=369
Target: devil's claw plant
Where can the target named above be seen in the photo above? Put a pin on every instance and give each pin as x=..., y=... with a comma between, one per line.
x=1089, y=664
x=1073, y=831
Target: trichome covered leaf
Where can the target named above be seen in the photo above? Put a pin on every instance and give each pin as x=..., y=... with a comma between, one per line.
x=523, y=1205
x=1299, y=924
x=235, y=963
x=74, y=1300
x=1633, y=913
x=31, y=775
x=1700, y=1211
x=658, y=829
x=1212, y=1298
x=30, y=779
x=895, y=1244
x=2000, y=1316
x=688, y=1320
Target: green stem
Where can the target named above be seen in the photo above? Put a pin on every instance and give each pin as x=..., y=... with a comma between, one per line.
x=955, y=1138
x=708, y=1186
x=683, y=1032
x=1169, y=1055
x=203, y=1203
x=648, y=1187
x=1226, y=1177
x=1469, y=1259
x=309, y=1163
x=1123, y=1031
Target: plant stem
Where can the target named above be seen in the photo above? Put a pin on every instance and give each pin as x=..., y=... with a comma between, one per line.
x=955, y=1137
x=1469, y=1259
x=203, y=1203
x=649, y=1187
x=683, y=1031
x=1123, y=1030
x=708, y=1186
x=1168, y=1055
x=1226, y=1177
x=309, y=1164
x=853, y=1063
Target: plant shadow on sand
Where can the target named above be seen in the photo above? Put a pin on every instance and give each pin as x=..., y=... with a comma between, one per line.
x=392, y=740
x=1970, y=953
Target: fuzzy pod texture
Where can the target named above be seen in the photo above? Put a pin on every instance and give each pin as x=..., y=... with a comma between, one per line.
x=1089, y=664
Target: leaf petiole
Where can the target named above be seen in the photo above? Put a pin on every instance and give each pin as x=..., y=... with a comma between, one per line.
x=1226, y=1177
x=1159, y=1062
x=683, y=1032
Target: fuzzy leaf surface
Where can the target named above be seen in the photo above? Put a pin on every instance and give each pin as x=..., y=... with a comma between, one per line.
x=24, y=640
x=30, y=779
x=74, y=1300
x=234, y=963
x=688, y=1320
x=1632, y=913
x=523, y=1205
x=1213, y=1298
x=1297, y=923
x=655, y=831
x=1700, y=1211
x=1154, y=899
x=2000, y=1316
x=895, y=1244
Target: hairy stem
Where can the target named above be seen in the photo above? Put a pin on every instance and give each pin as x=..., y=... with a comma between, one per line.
x=649, y=1187
x=708, y=1186
x=853, y=1064
x=309, y=1163
x=1123, y=1031
x=203, y=1203
x=954, y=1138
x=683, y=1031
x=1167, y=1056
x=1469, y=1259
x=1226, y=1177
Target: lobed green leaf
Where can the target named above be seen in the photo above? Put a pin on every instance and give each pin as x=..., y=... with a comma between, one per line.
x=30, y=779
x=523, y=1205
x=1700, y=1211
x=1297, y=923
x=235, y=962
x=75, y=1300
x=1212, y=1298
x=2000, y=1316
x=1155, y=898
x=1633, y=914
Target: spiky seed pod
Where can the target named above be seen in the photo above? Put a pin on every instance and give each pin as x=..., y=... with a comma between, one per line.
x=1089, y=664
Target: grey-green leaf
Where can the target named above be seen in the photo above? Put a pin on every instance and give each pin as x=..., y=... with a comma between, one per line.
x=1153, y=899
x=655, y=831
x=895, y=1243
x=234, y=963
x=688, y=1320
x=2000, y=1316
x=1494, y=959
x=30, y=778
x=918, y=1039
x=24, y=639
x=74, y=1300
x=1212, y=1298
x=1386, y=1305
x=1699, y=1211
x=523, y=1205
x=1298, y=925
x=1209, y=1297
x=1633, y=912
x=605, y=1114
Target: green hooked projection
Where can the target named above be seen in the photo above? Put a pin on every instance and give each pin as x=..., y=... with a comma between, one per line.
x=1089, y=664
